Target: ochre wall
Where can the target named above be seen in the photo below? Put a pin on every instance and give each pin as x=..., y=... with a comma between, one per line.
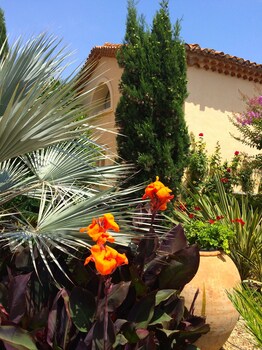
x=107, y=72
x=212, y=99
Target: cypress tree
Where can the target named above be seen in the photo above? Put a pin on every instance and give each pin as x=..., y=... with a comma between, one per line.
x=3, y=38
x=153, y=87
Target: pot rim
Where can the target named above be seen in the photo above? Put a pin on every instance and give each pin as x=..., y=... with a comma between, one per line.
x=210, y=252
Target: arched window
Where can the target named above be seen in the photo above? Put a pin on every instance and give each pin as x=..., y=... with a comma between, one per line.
x=101, y=98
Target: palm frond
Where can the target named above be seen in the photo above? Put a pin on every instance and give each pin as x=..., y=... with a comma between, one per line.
x=15, y=179
x=60, y=218
x=74, y=162
x=35, y=110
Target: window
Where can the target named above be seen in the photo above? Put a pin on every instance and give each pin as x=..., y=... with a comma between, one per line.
x=101, y=98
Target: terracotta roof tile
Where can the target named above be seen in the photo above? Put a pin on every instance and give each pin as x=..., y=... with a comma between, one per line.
x=195, y=48
x=208, y=59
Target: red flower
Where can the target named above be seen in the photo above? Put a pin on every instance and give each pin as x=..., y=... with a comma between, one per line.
x=224, y=180
x=236, y=153
x=219, y=217
x=182, y=207
x=228, y=170
x=201, y=134
x=211, y=221
x=197, y=208
x=240, y=221
x=191, y=215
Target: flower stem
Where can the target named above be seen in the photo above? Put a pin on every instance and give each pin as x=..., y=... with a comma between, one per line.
x=107, y=289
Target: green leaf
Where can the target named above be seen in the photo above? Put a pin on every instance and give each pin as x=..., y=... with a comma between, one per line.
x=163, y=295
x=17, y=337
x=142, y=311
x=129, y=331
x=139, y=285
x=82, y=306
x=169, y=332
x=120, y=340
x=160, y=317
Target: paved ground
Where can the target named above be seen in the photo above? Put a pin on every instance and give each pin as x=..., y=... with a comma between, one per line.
x=240, y=339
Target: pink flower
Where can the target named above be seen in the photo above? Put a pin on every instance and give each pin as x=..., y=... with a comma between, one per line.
x=259, y=100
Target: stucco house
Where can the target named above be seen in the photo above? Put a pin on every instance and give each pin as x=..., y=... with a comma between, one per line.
x=215, y=80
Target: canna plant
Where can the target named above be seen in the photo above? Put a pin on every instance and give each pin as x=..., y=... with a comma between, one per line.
x=139, y=305
x=124, y=297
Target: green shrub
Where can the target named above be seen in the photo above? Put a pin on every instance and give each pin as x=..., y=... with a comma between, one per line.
x=208, y=235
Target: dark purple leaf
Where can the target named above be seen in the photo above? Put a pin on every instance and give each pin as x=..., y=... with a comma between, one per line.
x=116, y=296
x=153, y=271
x=150, y=342
x=82, y=308
x=104, y=338
x=52, y=319
x=81, y=345
x=17, y=338
x=175, y=307
x=194, y=331
x=17, y=296
x=179, y=268
x=147, y=247
x=142, y=312
x=173, y=241
x=119, y=324
x=89, y=337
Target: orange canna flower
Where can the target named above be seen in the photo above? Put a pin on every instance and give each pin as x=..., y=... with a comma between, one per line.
x=109, y=222
x=97, y=230
x=94, y=230
x=106, y=259
x=159, y=195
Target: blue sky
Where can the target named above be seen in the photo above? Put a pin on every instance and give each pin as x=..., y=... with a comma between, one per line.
x=231, y=26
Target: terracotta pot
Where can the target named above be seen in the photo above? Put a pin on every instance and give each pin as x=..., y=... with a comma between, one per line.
x=216, y=274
